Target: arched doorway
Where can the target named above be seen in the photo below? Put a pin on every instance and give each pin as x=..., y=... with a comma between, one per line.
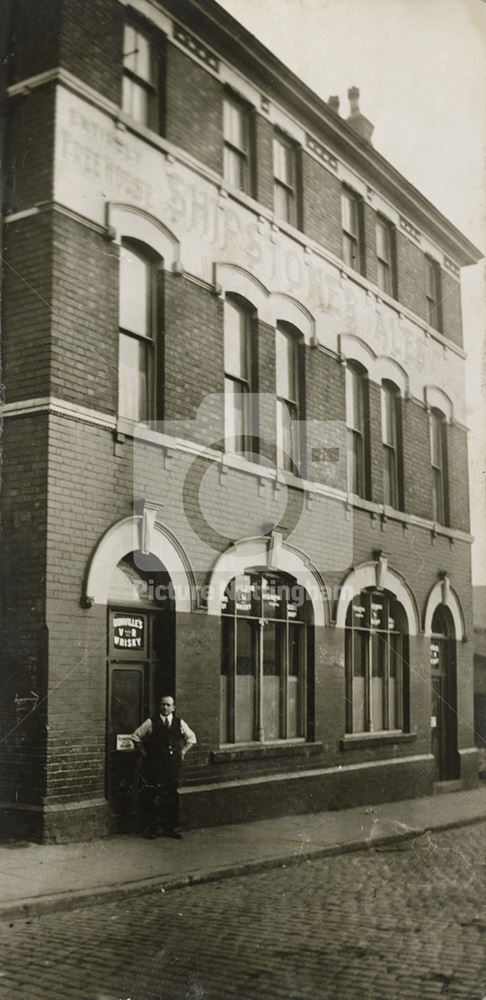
x=444, y=695
x=140, y=666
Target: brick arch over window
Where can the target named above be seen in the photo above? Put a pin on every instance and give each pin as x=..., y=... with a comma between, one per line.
x=380, y=367
x=129, y=223
x=443, y=595
x=437, y=399
x=270, y=306
x=268, y=553
x=377, y=574
x=130, y=535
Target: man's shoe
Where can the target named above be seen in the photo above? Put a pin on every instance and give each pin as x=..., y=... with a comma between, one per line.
x=173, y=834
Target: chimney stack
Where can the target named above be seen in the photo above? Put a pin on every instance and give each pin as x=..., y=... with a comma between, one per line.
x=358, y=122
x=333, y=103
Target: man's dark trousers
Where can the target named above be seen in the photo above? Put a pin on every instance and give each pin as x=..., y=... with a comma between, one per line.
x=161, y=770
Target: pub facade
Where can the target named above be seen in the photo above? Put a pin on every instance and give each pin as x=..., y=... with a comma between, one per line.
x=234, y=432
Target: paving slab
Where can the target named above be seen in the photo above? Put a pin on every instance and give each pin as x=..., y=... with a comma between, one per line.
x=36, y=878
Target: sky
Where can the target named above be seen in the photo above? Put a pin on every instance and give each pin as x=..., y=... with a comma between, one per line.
x=421, y=69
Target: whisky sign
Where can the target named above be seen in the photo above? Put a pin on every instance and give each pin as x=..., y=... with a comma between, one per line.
x=128, y=632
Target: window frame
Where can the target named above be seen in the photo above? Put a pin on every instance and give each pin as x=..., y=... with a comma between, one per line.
x=433, y=293
x=291, y=186
x=292, y=712
x=440, y=496
x=245, y=153
x=394, y=718
x=149, y=87
x=386, y=266
x=392, y=450
x=352, y=239
x=147, y=339
x=289, y=459
x=247, y=314
x=358, y=436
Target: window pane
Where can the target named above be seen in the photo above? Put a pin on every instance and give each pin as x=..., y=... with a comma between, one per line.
x=390, y=476
x=384, y=278
x=388, y=415
x=286, y=366
x=360, y=656
x=245, y=681
x=126, y=709
x=283, y=203
x=283, y=162
x=235, y=125
x=354, y=399
x=287, y=438
x=235, y=169
x=134, y=293
x=235, y=341
x=350, y=251
x=349, y=214
x=394, y=683
x=235, y=415
x=137, y=56
x=273, y=637
x=431, y=279
x=378, y=670
x=438, y=496
x=273, y=595
x=383, y=242
x=133, y=383
x=436, y=432
x=295, y=695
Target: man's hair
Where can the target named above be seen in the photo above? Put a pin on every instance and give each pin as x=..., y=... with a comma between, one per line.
x=167, y=696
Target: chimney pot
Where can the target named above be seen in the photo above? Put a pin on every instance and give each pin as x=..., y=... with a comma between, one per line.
x=333, y=103
x=358, y=121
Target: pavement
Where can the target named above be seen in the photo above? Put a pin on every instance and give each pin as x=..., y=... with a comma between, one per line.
x=37, y=878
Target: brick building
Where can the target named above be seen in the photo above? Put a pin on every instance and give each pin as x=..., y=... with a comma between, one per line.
x=234, y=452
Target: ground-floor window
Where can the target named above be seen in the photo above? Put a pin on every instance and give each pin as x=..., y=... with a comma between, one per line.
x=376, y=664
x=264, y=660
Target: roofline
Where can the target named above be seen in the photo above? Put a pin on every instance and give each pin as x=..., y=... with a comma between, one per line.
x=378, y=169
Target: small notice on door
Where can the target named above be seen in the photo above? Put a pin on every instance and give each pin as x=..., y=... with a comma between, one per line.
x=128, y=632
x=124, y=742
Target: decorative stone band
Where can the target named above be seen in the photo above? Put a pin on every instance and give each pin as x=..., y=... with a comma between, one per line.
x=320, y=151
x=195, y=46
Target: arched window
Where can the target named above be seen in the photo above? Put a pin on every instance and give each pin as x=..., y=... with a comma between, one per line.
x=264, y=659
x=136, y=345
x=357, y=429
x=287, y=391
x=391, y=433
x=237, y=375
x=438, y=455
x=376, y=664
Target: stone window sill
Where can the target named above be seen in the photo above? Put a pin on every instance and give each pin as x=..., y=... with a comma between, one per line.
x=368, y=741
x=257, y=751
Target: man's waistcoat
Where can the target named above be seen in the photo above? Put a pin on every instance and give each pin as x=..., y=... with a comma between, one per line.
x=163, y=747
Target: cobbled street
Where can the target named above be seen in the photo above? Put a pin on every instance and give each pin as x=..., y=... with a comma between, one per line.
x=408, y=920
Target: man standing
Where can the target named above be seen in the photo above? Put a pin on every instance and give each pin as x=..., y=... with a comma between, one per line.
x=163, y=742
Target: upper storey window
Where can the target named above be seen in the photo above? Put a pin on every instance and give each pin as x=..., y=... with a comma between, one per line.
x=237, y=143
x=385, y=257
x=287, y=386
x=357, y=429
x=433, y=292
x=139, y=87
x=136, y=345
x=284, y=179
x=438, y=455
x=391, y=438
x=237, y=368
x=351, y=210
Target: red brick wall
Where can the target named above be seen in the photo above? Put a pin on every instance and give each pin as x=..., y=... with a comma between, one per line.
x=193, y=355
x=27, y=302
x=194, y=109
x=417, y=476
x=458, y=477
x=451, y=308
x=370, y=268
x=321, y=205
x=30, y=137
x=264, y=161
x=410, y=275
